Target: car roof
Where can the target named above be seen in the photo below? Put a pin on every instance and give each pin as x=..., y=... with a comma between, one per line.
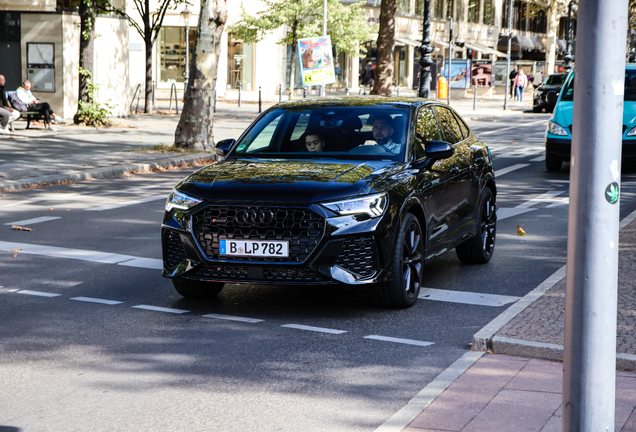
x=359, y=101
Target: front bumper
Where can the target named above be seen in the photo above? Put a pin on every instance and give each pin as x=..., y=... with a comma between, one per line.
x=324, y=248
x=561, y=149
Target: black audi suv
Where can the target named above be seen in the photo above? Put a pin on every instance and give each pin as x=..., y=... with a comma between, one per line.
x=361, y=192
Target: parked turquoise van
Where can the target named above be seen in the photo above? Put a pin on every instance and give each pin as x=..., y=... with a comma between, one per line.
x=558, y=139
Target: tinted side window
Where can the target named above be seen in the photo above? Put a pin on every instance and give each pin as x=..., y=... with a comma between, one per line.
x=448, y=125
x=462, y=126
x=568, y=92
x=426, y=130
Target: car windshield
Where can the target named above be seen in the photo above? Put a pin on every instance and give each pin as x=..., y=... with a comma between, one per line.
x=630, y=87
x=557, y=79
x=343, y=132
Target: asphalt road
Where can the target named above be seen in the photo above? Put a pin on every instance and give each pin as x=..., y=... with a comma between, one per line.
x=86, y=346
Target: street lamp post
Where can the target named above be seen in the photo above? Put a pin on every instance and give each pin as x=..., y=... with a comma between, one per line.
x=425, y=54
x=568, y=47
x=185, y=14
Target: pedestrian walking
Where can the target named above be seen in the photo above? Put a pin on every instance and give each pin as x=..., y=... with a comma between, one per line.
x=512, y=77
x=520, y=82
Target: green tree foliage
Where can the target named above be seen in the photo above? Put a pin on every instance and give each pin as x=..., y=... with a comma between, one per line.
x=346, y=25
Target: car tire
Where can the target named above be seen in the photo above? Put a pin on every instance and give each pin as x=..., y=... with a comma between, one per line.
x=197, y=289
x=551, y=163
x=479, y=248
x=407, y=267
x=536, y=109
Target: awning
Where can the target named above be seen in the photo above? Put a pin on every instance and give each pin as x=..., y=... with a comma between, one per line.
x=524, y=42
x=414, y=43
x=484, y=49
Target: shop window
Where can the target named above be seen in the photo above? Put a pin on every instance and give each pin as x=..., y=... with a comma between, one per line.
x=240, y=64
x=449, y=9
x=473, y=11
x=438, y=10
x=489, y=13
x=172, y=53
x=460, y=10
x=403, y=6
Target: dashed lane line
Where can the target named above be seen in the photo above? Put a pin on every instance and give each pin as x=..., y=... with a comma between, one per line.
x=82, y=254
x=161, y=309
x=233, y=318
x=34, y=220
x=399, y=340
x=38, y=293
x=96, y=300
x=314, y=329
x=465, y=297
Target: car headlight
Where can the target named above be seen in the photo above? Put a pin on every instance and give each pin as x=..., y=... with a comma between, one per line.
x=632, y=132
x=373, y=205
x=556, y=129
x=180, y=201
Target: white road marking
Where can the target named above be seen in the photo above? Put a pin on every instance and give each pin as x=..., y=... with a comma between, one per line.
x=81, y=254
x=233, y=318
x=500, y=172
x=538, y=159
x=128, y=203
x=38, y=293
x=505, y=212
x=466, y=297
x=399, y=340
x=511, y=127
x=315, y=329
x=161, y=309
x=549, y=196
x=34, y=220
x=96, y=300
x=13, y=290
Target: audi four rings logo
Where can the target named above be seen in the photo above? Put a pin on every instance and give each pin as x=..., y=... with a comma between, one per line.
x=254, y=217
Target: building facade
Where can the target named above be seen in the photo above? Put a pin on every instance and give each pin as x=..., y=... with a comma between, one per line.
x=39, y=41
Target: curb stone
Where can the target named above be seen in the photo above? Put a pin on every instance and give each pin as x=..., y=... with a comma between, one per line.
x=114, y=171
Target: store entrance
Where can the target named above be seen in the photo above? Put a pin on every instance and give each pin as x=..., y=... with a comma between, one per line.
x=10, y=50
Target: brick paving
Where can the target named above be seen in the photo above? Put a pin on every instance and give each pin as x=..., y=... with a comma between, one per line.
x=543, y=321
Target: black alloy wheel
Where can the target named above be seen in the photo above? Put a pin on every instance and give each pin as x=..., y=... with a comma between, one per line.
x=197, y=289
x=479, y=249
x=407, y=267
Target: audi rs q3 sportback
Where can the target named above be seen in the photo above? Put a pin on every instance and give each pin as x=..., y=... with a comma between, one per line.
x=356, y=191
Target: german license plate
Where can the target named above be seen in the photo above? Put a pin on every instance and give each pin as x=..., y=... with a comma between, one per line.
x=254, y=248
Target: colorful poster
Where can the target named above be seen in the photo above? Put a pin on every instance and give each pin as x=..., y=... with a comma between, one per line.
x=459, y=73
x=317, y=61
x=481, y=74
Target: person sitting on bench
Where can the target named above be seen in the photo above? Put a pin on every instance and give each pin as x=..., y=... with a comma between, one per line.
x=7, y=113
x=34, y=104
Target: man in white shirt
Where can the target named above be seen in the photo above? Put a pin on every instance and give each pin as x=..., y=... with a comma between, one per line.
x=34, y=104
x=382, y=132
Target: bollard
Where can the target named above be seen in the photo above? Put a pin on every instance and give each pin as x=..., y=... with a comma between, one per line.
x=347, y=91
x=398, y=90
x=280, y=93
x=475, y=99
x=240, y=85
x=304, y=92
x=260, y=100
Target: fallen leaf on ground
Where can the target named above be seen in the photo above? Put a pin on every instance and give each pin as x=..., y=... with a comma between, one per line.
x=20, y=228
x=15, y=249
x=520, y=230
x=15, y=255
x=142, y=138
x=51, y=209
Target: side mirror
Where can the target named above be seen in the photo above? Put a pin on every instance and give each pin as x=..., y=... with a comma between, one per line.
x=436, y=150
x=223, y=147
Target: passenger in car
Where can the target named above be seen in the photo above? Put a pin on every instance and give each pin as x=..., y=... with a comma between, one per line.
x=314, y=142
x=383, y=129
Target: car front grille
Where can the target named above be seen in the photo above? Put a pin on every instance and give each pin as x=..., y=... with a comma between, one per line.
x=357, y=256
x=301, y=227
x=234, y=272
x=173, y=251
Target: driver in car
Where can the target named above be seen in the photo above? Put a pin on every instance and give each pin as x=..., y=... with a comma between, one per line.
x=314, y=142
x=382, y=131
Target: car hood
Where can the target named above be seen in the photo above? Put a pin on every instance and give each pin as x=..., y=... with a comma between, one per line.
x=289, y=181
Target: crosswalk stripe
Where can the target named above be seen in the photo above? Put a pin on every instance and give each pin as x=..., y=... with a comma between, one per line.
x=128, y=203
x=315, y=329
x=34, y=220
x=500, y=172
x=466, y=297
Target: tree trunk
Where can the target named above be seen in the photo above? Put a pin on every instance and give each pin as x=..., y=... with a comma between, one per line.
x=149, y=106
x=87, y=13
x=386, y=45
x=292, y=63
x=553, y=24
x=194, y=130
